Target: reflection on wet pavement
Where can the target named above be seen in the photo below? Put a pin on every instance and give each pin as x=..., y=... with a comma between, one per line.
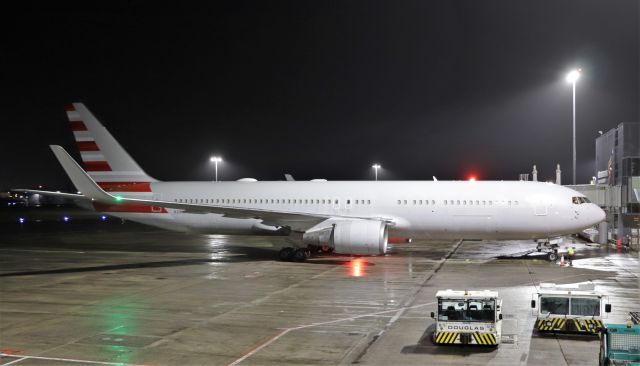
x=152, y=297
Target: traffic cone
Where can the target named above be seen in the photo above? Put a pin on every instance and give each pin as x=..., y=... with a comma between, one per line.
x=562, y=260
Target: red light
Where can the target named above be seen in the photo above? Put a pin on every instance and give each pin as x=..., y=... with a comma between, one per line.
x=472, y=178
x=356, y=267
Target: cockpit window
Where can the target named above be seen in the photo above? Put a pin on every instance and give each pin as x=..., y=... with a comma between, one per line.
x=580, y=200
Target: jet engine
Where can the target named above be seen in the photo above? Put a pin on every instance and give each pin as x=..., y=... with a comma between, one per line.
x=351, y=237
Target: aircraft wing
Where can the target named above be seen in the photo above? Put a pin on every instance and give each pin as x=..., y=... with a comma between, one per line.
x=297, y=221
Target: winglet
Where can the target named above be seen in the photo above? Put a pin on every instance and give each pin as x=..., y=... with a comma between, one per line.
x=79, y=177
x=288, y=178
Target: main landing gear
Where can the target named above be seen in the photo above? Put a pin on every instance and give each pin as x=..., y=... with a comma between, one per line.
x=289, y=254
x=301, y=254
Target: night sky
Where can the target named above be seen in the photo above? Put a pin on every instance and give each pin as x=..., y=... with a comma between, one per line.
x=320, y=89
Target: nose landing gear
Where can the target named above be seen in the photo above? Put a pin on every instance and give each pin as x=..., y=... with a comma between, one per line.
x=551, y=247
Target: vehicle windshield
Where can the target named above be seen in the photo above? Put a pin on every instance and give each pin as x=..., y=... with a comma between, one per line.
x=554, y=305
x=573, y=306
x=588, y=307
x=466, y=310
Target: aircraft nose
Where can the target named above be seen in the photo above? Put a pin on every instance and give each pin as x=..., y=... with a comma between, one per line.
x=598, y=214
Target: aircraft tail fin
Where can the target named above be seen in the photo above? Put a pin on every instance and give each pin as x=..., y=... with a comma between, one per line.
x=104, y=159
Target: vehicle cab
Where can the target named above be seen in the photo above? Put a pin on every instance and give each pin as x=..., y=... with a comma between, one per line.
x=569, y=309
x=468, y=317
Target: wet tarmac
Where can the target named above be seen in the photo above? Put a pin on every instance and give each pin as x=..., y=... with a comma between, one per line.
x=91, y=292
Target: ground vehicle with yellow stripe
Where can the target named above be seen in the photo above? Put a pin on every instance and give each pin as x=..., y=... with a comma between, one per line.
x=468, y=317
x=569, y=309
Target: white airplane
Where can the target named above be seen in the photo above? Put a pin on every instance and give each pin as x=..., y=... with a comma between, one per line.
x=354, y=217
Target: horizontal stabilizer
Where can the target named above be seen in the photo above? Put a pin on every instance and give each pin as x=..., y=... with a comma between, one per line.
x=74, y=196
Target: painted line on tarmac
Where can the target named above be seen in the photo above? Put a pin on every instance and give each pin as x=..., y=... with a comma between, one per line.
x=398, y=313
x=14, y=361
x=287, y=330
x=260, y=346
x=72, y=360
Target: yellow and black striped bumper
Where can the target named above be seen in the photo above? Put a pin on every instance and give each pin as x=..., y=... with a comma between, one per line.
x=446, y=337
x=588, y=325
x=486, y=339
x=552, y=324
x=569, y=325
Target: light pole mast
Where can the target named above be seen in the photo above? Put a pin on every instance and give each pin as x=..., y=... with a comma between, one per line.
x=572, y=77
x=216, y=160
x=375, y=168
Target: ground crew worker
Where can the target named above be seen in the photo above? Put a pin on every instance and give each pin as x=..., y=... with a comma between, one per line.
x=570, y=253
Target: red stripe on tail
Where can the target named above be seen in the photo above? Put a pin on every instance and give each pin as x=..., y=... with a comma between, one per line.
x=97, y=166
x=128, y=208
x=69, y=107
x=125, y=186
x=87, y=146
x=78, y=126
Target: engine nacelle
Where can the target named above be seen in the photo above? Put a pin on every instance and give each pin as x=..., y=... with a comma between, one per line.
x=351, y=237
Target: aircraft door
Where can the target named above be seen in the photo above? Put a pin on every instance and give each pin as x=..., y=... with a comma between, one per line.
x=540, y=208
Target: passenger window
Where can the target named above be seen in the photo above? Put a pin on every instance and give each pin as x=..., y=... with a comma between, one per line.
x=458, y=201
x=368, y=202
x=464, y=202
x=433, y=202
x=405, y=202
x=471, y=202
x=399, y=202
x=414, y=202
x=348, y=202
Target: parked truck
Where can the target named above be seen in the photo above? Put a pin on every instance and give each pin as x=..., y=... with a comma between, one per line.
x=569, y=309
x=468, y=318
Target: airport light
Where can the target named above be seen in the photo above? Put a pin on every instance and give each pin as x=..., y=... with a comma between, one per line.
x=21, y=220
x=375, y=168
x=216, y=160
x=66, y=219
x=572, y=78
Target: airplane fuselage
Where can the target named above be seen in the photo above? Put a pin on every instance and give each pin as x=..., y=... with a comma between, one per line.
x=417, y=209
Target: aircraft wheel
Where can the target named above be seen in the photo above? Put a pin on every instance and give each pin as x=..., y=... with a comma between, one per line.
x=552, y=256
x=326, y=249
x=286, y=254
x=301, y=254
